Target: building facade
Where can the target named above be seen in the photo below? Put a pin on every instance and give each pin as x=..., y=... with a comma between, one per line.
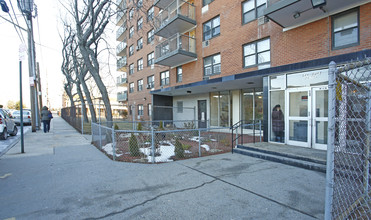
x=237, y=60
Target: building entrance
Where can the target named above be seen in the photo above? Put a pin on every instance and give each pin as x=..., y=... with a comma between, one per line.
x=307, y=117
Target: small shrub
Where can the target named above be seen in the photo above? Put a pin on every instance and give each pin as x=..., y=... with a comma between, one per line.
x=179, y=151
x=133, y=146
x=139, y=128
x=161, y=126
x=186, y=146
x=116, y=127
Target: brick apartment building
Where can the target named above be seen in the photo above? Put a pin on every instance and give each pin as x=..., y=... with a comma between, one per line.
x=222, y=61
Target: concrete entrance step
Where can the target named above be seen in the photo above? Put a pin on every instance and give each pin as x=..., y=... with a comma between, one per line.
x=283, y=157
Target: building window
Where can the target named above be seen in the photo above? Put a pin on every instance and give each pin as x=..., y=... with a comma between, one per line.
x=131, y=107
x=252, y=9
x=140, y=43
x=140, y=4
x=211, y=28
x=140, y=109
x=140, y=85
x=150, y=59
x=150, y=36
x=179, y=106
x=140, y=23
x=131, y=13
x=150, y=82
x=131, y=50
x=345, y=29
x=131, y=87
x=140, y=64
x=257, y=53
x=179, y=74
x=206, y=2
x=212, y=65
x=150, y=14
x=131, y=32
x=131, y=69
x=165, y=78
x=149, y=109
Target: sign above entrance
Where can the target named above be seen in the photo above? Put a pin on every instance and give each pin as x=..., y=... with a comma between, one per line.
x=307, y=79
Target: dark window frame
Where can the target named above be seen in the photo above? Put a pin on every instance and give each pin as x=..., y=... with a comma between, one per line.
x=131, y=88
x=166, y=80
x=179, y=76
x=140, y=86
x=256, y=53
x=255, y=10
x=333, y=18
x=212, y=28
x=152, y=60
x=151, y=83
x=212, y=65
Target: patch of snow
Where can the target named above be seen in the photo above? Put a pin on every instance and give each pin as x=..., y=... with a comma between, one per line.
x=166, y=151
x=195, y=138
x=187, y=152
x=108, y=149
x=207, y=148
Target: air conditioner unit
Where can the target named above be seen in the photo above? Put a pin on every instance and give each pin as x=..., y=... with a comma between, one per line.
x=152, y=66
x=137, y=48
x=262, y=20
x=206, y=78
x=148, y=86
x=205, y=43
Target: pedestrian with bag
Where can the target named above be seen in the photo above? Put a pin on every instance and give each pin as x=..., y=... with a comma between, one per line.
x=46, y=116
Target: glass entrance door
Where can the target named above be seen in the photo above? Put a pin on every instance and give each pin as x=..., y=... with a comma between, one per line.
x=297, y=122
x=320, y=118
x=307, y=117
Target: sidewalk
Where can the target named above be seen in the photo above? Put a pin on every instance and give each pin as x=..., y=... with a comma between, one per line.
x=62, y=176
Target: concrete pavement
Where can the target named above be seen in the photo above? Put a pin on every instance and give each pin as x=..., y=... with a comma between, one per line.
x=62, y=176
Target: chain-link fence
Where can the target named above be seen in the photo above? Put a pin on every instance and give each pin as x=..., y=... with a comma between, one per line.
x=159, y=144
x=348, y=188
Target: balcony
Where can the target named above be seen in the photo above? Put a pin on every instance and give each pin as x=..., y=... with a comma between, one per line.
x=162, y=3
x=178, y=17
x=293, y=13
x=121, y=64
x=121, y=17
x=121, y=49
x=120, y=34
x=121, y=3
x=121, y=80
x=177, y=50
x=122, y=96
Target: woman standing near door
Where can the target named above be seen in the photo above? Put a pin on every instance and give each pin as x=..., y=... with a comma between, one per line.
x=278, y=124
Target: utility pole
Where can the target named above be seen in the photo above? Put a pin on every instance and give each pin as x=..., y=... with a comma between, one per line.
x=26, y=7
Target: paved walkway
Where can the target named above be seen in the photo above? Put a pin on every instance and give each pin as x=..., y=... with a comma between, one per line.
x=62, y=176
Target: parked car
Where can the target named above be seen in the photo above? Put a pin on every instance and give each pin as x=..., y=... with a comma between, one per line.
x=26, y=117
x=7, y=125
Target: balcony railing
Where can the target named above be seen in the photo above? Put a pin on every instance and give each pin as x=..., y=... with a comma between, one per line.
x=178, y=17
x=122, y=96
x=122, y=62
x=121, y=49
x=120, y=33
x=121, y=17
x=178, y=49
x=121, y=80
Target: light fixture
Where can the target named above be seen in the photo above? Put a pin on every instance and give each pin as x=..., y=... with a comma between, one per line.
x=189, y=92
x=318, y=3
x=296, y=15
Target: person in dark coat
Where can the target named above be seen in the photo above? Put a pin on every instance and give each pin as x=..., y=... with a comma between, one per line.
x=278, y=124
x=46, y=116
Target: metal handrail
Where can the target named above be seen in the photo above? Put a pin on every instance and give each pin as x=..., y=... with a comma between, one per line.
x=241, y=124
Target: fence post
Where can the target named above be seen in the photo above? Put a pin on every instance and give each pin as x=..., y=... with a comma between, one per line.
x=199, y=142
x=100, y=136
x=113, y=144
x=330, y=139
x=82, y=120
x=260, y=131
x=367, y=150
x=153, y=144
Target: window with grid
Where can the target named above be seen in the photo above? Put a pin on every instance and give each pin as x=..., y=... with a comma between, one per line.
x=150, y=36
x=131, y=69
x=179, y=74
x=211, y=28
x=131, y=50
x=150, y=59
x=131, y=32
x=140, y=109
x=131, y=87
x=140, y=85
x=139, y=4
x=150, y=14
x=345, y=29
x=212, y=65
x=165, y=80
x=131, y=13
x=257, y=53
x=140, y=23
x=140, y=43
x=151, y=82
x=179, y=106
x=140, y=64
x=252, y=9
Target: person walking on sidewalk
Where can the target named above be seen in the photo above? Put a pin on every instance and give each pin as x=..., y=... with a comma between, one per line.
x=46, y=116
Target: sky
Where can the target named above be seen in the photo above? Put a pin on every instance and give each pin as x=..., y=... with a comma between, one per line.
x=48, y=54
